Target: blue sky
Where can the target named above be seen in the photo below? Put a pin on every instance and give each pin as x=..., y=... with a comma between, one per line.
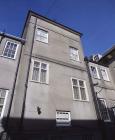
x=94, y=18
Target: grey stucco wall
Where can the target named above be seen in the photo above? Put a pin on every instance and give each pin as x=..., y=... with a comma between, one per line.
x=8, y=69
x=112, y=69
x=58, y=93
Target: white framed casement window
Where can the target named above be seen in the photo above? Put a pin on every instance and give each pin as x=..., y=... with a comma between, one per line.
x=40, y=72
x=10, y=50
x=94, y=72
x=3, y=98
x=104, y=74
x=74, y=54
x=42, y=35
x=63, y=118
x=79, y=90
x=103, y=109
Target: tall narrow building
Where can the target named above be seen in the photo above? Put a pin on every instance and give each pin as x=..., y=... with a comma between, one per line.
x=52, y=96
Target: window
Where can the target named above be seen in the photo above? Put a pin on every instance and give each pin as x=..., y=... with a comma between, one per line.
x=3, y=96
x=74, y=54
x=10, y=50
x=94, y=72
x=113, y=110
x=42, y=35
x=40, y=72
x=104, y=110
x=79, y=90
x=63, y=118
x=104, y=74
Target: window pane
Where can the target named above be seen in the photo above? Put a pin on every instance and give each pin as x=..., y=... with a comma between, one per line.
x=103, y=109
x=43, y=66
x=1, y=108
x=83, y=94
x=94, y=72
x=74, y=82
x=104, y=74
x=36, y=64
x=2, y=93
x=76, y=92
x=1, y=101
x=81, y=83
x=43, y=76
x=35, y=75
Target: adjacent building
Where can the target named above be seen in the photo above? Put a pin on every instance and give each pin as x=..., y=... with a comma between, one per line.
x=102, y=79
x=10, y=50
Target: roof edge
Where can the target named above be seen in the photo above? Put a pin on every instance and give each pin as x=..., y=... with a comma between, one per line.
x=12, y=37
x=107, y=52
x=32, y=13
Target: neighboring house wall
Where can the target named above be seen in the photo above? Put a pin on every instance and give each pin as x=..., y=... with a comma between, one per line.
x=112, y=68
x=8, y=68
x=104, y=87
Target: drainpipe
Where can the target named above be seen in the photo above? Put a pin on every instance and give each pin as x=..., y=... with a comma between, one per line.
x=27, y=77
x=95, y=100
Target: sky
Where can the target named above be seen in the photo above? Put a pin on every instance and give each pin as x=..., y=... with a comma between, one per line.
x=94, y=18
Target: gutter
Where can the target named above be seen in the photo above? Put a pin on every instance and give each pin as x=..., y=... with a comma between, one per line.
x=3, y=34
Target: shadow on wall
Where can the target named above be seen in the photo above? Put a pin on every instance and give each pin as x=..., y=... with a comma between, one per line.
x=41, y=129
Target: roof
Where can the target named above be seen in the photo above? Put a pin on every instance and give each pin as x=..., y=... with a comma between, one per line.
x=108, y=55
x=32, y=13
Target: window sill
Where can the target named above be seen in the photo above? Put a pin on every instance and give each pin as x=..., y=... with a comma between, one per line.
x=80, y=100
x=96, y=78
x=106, y=80
x=39, y=82
x=107, y=120
x=7, y=57
x=75, y=60
x=42, y=41
x=63, y=125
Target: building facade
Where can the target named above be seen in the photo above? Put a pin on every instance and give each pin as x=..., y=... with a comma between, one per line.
x=10, y=50
x=104, y=88
x=53, y=97
x=48, y=91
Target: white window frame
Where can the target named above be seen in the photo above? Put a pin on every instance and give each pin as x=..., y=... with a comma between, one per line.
x=61, y=121
x=38, y=36
x=107, y=77
x=97, y=72
x=106, y=110
x=47, y=72
x=15, y=51
x=4, y=105
x=85, y=87
x=77, y=53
